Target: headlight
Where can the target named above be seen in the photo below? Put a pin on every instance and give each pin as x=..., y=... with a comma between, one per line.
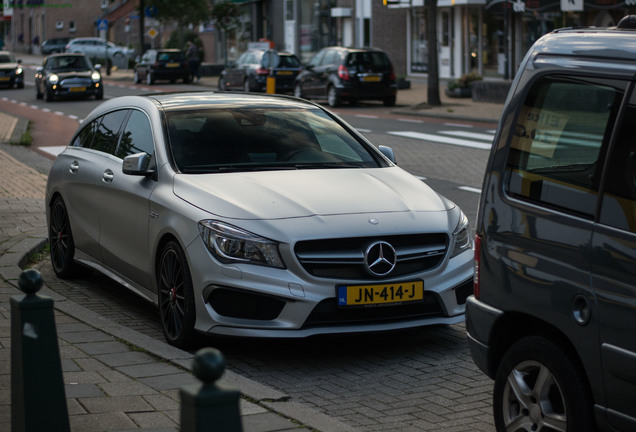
x=18, y=71
x=96, y=77
x=53, y=79
x=462, y=238
x=230, y=244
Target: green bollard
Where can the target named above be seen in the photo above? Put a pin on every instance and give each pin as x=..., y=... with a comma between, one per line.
x=38, y=399
x=206, y=406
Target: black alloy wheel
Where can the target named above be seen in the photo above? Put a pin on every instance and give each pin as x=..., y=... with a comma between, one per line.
x=61, y=241
x=176, y=298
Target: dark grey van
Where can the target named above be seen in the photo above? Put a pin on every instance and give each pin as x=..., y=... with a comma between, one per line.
x=553, y=316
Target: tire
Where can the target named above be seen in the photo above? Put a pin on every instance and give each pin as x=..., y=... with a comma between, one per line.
x=176, y=297
x=333, y=99
x=539, y=387
x=136, y=77
x=246, y=86
x=390, y=101
x=38, y=93
x=48, y=96
x=100, y=94
x=298, y=91
x=20, y=85
x=150, y=80
x=186, y=80
x=222, y=84
x=61, y=241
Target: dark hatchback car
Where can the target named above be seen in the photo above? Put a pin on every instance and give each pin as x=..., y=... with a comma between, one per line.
x=162, y=64
x=11, y=72
x=68, y=75
x=351, y=74
x=553, y=316
x=250, y=72
x=54, y=46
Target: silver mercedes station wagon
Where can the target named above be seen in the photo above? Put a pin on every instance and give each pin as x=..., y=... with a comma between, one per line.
x=255, y=215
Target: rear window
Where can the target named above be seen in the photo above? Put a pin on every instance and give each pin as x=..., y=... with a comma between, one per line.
x=288, y=62
x=558, y=142
x=368, y=60
x=170, y=56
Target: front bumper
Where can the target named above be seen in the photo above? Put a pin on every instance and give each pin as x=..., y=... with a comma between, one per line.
x=255, y=301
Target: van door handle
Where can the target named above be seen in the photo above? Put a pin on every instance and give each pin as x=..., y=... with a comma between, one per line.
x=74, y=167
x=108, y=176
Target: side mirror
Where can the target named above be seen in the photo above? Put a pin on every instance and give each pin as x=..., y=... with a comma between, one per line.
x=39, y=69
x=137, y=164
x=388, y=152
x=19, y=61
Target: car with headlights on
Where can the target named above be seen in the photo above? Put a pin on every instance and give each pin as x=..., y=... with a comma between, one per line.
x=68, y=75
x=255, y=215
x=11, y=72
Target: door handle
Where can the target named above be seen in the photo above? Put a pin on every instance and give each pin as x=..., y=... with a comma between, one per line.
x=108, y=176
x=74, y=167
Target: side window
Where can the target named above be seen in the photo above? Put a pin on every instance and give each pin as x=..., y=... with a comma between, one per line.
x=619, y=200
x=85, y=137
x=317, y=59
x=136, y=137
x=557, y=147
x=108, y=131
x=330, y=57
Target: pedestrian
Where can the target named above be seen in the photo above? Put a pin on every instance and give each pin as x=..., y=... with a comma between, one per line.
x=192, y=55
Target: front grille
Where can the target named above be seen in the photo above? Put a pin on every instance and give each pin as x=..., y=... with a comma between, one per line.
x=327, y=313
x=343, y=258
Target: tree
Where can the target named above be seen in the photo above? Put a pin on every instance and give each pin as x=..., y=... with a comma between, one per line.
x=433, y=98
x=225, y=16
x=184, y=12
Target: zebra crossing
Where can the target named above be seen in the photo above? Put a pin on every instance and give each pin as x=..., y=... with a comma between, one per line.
x=477, y=140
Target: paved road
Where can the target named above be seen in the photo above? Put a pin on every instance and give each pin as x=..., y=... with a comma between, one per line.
x=416, y=380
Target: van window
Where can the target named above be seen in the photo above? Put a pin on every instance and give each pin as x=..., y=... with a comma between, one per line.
x=557, y=146
x=619, y=200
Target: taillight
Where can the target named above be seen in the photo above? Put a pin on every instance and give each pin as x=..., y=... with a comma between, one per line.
x=392, y=75
x=343, y=73
x=262, y=71
x=476, y=286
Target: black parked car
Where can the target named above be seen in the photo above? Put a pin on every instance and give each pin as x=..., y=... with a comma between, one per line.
x=352, y=74
x=553, y=315
x=68, y=75
x=54, y=46
x=162, y=64
x=250, y=72
x=11, y=72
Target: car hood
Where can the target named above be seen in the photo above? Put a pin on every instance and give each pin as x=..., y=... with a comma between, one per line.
x=302, y=193
x=8, y=66
x=72, y=74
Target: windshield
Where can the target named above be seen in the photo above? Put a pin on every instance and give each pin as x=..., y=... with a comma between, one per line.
x=68, y=63
x=252, y=139
x=7, y=58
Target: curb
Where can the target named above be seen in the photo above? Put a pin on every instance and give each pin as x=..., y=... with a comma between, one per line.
x=256, y=393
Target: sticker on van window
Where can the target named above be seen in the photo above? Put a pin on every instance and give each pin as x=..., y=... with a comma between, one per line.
x=538, y=131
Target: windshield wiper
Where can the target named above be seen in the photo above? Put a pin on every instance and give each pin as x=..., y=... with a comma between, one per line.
x=323, y=165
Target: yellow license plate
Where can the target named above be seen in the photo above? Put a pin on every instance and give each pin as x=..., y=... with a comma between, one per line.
x=5, y=78
x=372, y=78
x=284, y=73
x=171, y=65
x=393, y=293
x=77, y=89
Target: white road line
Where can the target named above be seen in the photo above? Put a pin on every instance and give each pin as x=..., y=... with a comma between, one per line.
x=364, y=130
x=481, y=136
x=470, y=189
x=366, y=116
x=458, y=125
x=74, y=117
x=59, y=113
x=52, y=150
x=441, y=139
x=407, y=120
